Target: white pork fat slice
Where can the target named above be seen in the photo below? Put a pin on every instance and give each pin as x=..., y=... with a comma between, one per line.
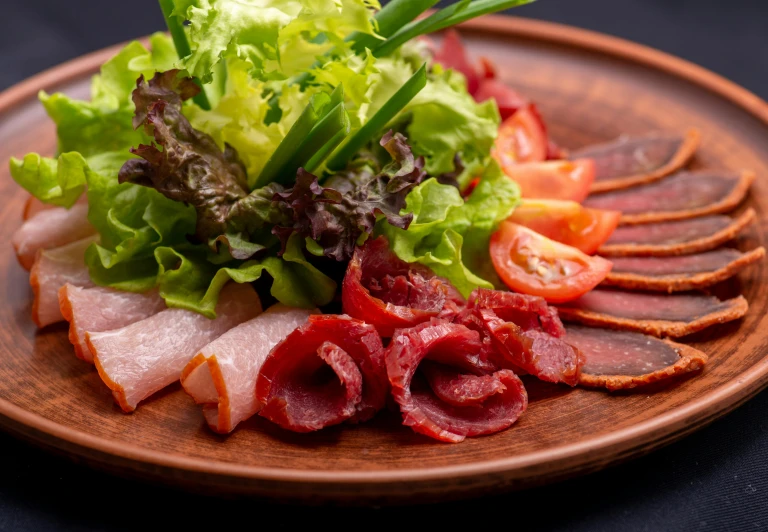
x=101, y=309
x=50, y=228
x=142, y=358
x=222, y=377
x=53, y=268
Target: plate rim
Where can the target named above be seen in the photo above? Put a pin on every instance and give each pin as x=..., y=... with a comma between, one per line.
x=607, y=448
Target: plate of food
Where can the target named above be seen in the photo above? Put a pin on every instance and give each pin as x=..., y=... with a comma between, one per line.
x=335, y=252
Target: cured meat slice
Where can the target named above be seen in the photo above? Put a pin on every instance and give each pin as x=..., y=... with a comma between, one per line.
x=629, y=161
x=619, y=360
x=685, y=272
x=222, y=377
x=660, y=315
x=528, y=312
x=677, y=197
x=103, y=309
x=389, y=293
x=474, y=403
x=52, y=269
x=50, y=228
x=545, y=356
x=682, y=237
x=33, y=205
x=142, y=358
x=328, y=371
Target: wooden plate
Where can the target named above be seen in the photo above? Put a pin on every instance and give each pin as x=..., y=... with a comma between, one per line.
x=590, y=88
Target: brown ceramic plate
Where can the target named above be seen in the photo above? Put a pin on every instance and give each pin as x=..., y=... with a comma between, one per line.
x=590, y=88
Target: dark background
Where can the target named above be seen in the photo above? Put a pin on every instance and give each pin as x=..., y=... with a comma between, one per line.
x=716, y=479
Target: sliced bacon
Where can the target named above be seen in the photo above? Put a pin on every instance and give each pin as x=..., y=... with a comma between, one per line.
x=53, y=268
x=629, y=161
x=328, y=371
x=142, y=358
x=677, y=197
x=103, y=309
x=619, y=360
x=222, y=376
x=682, y=237
x=453, y=396
x=389, y=293
x=528, y=312
x=50, y=228
x=676, y=274
x=660, y=315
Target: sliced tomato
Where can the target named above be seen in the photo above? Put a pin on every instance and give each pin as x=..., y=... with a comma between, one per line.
x=522, y=139
x=567, y=222
x=533, y=264
x=507, y=100
x=561, y=180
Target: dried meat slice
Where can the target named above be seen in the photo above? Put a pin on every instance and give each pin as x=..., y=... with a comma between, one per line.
x=222, y=377
x=663, y=239
x=103, y=309
x=619, y=360
x=528, y=312
x=328, y=371
x=389, y=293
x=660, y=315
x=33, y=206
x=629, y=161
x=142, y=358
x=677, y=274
x=50, y=228
x=677, y=197
x=53, y=268
x=454, y=396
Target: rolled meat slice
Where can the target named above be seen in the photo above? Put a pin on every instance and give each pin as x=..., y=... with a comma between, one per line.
x=222, y=376
x=664, y=239
x=659, y=315
x=676, y=274
x=103, y=309
x=53, y=268
x=328, y=371
x=619, y=360
x=389, y=293
x=50, y=228
x=33, y=206
x=148, y=355
x=528, y=312
x=453, y=396
x=629, y=161
x=677, y=197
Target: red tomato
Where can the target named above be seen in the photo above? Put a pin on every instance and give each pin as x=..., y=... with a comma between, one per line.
x=533, y=264
x=522, y=139
x=567, y=222
x=562, y=180
x=507, y=100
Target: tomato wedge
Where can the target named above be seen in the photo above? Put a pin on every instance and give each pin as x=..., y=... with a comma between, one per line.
x=522, y=138
x=567, y=222
x=533, y=264
x=559, y=180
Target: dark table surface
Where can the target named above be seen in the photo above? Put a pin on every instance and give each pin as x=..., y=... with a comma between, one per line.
x=716, y=479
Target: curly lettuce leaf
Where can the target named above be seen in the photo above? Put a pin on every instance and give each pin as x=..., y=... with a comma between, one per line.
x=450, y=235
x=56, y=181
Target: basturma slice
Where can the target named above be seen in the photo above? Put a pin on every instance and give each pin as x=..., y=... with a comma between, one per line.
x=453, y=396
x=103, y=309
x=222, y=376
x=619, y=360
x=660, y=315
x=389, y=293
x=677, y=197
x=148, y=355
x=629, y=161
x=676, y=274
x=664, y=239
x=52, y=269
x=50, y=228
x=328, y=371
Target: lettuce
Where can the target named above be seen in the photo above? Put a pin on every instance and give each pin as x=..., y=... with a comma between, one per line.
x=56, y=181
x=450, y=235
